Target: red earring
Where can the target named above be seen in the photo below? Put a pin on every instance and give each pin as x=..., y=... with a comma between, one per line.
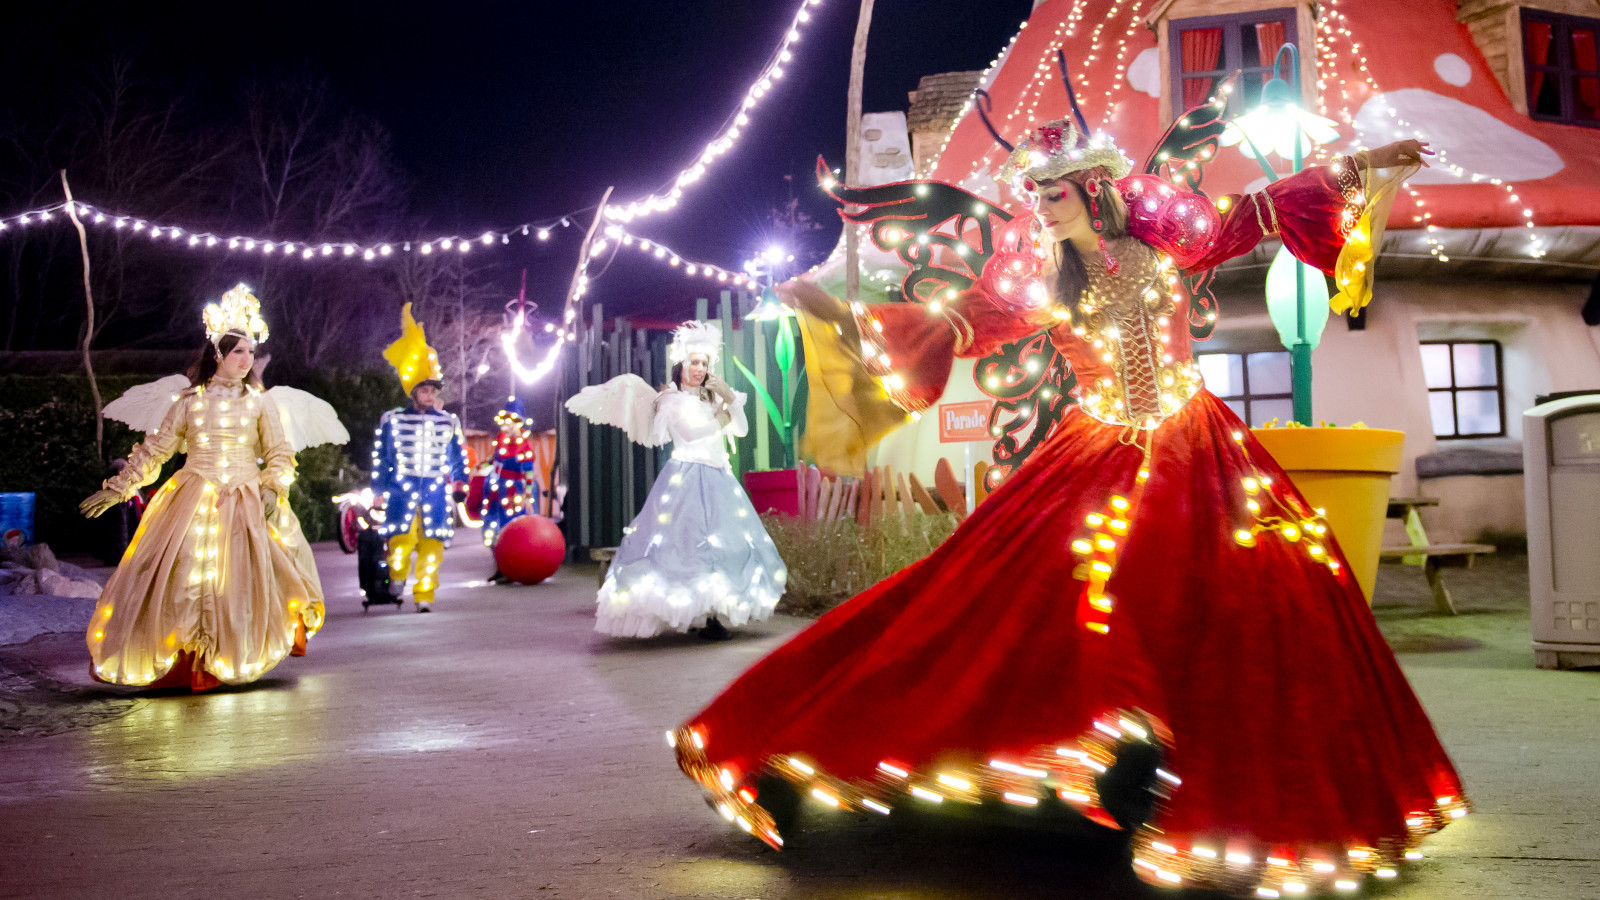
x=1099, y=225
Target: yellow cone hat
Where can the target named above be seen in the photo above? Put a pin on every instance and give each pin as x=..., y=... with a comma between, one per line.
x=411, y=356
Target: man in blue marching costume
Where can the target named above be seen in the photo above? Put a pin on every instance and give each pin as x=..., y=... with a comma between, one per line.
x=419, y=465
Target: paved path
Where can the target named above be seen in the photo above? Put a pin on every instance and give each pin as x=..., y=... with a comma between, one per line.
x=499, y=748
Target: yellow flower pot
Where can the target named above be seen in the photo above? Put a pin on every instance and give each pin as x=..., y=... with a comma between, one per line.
x=1346, y=472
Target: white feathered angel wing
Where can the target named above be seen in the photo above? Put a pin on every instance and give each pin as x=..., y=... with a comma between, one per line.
x=626, y=401
x=143, y=406
x=308, y=420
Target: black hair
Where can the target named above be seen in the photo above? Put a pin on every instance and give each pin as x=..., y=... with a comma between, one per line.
x=677, y=380
x=205, y=365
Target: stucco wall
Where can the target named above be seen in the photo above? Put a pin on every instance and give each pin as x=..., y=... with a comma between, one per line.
x=915, y=447
x=1375, y=375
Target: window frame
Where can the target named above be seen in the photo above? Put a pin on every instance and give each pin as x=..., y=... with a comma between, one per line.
x=1563, y=69
x=1246, y=398
x=1232, y=49
x=1499, y=388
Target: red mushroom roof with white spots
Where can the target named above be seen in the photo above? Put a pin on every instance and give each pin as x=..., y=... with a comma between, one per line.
x=1419, y=62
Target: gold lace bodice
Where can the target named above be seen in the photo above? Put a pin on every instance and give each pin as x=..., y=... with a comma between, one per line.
x=1130, y=347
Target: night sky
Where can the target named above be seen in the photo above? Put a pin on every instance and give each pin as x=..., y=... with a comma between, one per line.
x=509, y=112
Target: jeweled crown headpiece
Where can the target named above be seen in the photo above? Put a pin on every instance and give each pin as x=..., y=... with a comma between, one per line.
x=1057, y=149
x=238, y=312
x=695, y=337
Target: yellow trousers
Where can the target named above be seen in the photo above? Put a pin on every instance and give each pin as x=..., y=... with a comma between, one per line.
x=429, y=552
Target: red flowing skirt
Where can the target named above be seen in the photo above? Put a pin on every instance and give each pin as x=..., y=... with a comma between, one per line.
x=1011, y=665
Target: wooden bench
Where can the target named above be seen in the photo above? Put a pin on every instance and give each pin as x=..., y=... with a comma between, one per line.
x=1433, y=558
x=603, y=556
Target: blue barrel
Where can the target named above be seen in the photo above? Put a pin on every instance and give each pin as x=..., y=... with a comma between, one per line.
x=16, y=511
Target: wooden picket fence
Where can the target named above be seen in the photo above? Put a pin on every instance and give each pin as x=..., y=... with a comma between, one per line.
x=882, y=491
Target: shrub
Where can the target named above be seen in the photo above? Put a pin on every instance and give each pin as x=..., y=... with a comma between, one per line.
x=47, y=447
x=831, y=561
x=321, y=473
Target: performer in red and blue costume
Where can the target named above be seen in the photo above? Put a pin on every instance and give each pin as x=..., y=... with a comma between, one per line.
x=509, y=490
x=1146, y=624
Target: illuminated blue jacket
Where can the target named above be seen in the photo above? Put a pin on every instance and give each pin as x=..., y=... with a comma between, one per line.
x=416, y=458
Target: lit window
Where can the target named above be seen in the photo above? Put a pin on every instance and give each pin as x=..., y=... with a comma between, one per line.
x=1563, y=71
x=1208, y=49
x=1465, y=392
x=1256, y=386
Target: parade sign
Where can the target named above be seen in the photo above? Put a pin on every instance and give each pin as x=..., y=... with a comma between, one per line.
x=967, y=421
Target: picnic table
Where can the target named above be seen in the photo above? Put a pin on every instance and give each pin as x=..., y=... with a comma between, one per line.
x=1431, y=557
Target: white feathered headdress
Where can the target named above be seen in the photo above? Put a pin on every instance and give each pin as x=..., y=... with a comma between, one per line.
x=695, y=337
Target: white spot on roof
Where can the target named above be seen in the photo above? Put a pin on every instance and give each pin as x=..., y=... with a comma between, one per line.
x=1144, y=73
x=1453, y=69
x=1468, y=136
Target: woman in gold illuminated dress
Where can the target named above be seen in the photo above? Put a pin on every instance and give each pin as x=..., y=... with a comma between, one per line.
x=218, y=584
x=1171, y=641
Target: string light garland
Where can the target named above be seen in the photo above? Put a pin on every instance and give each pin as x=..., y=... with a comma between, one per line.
x=530, y=374
x=1119, y=81
x=1328, y=29
x=614, y=238
x=198, y=239
x=1332, y=27
x=984, y=81
x=723, y=142
x=617, y=237
x=371, y=251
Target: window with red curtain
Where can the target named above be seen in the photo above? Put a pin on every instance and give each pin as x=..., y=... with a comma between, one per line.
x=1563, y=72
x=1207, y=49
x=1269, y=39
x=1202, y=64
x=1585, y=75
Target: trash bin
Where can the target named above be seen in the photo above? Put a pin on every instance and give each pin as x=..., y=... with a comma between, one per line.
x=1561, y=471
x=16, y=512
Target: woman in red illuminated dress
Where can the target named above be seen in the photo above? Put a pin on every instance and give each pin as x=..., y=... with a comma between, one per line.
x=1171, y=643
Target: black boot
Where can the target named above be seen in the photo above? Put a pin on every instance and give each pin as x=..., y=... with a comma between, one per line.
x=781, y=801
x=714, y=630
x=1130, y=788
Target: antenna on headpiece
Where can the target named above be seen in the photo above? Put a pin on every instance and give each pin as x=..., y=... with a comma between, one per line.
x=1072, y=96
x=984, y=101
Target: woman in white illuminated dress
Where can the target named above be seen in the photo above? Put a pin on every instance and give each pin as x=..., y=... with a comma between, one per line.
x=218, y=584
x=696, y=556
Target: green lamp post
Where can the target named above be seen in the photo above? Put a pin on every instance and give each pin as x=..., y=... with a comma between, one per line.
x=1297, y=294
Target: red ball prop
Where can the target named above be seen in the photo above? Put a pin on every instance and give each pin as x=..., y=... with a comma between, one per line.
x=529, y=549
